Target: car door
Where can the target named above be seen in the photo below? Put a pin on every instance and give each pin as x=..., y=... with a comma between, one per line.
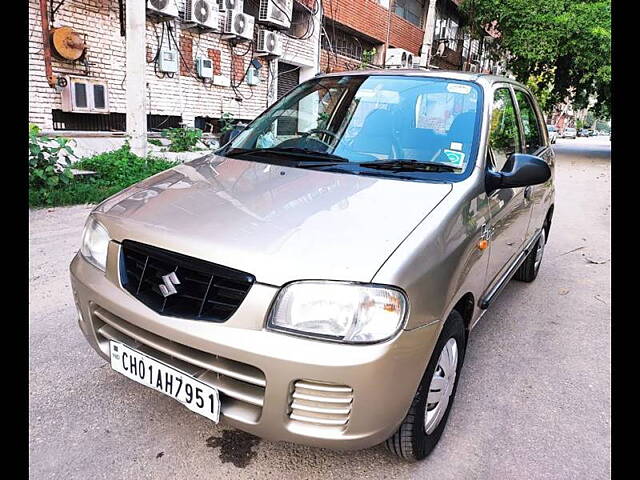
x=535, y=143
x=509, y=210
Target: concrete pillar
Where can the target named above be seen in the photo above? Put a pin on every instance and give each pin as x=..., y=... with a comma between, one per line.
x=135, y=81
x=427, y=40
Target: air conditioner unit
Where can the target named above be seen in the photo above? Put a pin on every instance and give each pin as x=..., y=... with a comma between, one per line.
x=85, y=95
x=226, y=5
x=239, y=25
x=164, y=8
x=269, y=43
x=202, y=14
x=276, y=13
x=399, y=58
x=168, y=61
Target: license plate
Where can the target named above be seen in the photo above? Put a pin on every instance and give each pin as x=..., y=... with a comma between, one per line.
x=192, y=393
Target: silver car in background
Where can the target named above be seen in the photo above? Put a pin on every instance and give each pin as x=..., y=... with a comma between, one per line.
x=316, y=280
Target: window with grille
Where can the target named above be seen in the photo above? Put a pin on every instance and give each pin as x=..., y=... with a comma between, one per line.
x=111, y=122
x=345, y=43
x=446, y=24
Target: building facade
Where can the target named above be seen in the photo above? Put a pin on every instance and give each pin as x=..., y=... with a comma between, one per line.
x=175, y=98
x=323, y=36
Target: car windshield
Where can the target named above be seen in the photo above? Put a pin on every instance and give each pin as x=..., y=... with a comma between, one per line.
x=373, y=125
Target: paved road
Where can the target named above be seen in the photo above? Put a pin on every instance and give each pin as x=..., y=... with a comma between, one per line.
x=533, y=402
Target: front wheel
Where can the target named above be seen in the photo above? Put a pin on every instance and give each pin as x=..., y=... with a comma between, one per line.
x=421, y=429
x=528, y=271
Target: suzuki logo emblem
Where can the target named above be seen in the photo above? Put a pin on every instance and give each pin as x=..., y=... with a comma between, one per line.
x=168, y=287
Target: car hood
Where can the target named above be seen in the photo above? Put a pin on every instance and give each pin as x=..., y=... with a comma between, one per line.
x=277, y=223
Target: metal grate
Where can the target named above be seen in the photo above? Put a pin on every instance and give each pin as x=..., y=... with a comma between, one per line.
x=345, y=43
x=111, y=122
x=319, y=403
x=176, y=285
x=241, y=386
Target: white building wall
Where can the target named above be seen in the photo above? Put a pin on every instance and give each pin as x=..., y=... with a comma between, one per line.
x=181, y=95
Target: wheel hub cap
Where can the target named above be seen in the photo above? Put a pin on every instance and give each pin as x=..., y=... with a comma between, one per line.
x=442, y=382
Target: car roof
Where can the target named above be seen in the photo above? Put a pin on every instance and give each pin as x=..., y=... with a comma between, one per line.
x=484, y=78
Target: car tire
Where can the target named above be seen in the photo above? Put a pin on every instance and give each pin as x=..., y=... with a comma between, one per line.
x=421, y=429
x=528, y=271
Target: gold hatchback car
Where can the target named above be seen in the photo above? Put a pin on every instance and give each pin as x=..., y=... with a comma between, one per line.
x=315, y=280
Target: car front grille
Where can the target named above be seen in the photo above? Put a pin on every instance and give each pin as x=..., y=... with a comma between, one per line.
x=176, y=285
x=321, y=403
x=241, y=386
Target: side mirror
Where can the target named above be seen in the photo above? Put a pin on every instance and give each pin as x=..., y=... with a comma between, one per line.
x=522, y=170
x=229, y=135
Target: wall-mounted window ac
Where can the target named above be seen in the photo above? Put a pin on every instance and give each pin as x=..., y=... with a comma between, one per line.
x=239, y=25
x=276, y=13
x=163, y=8
x=398, y=58
x=269, y=43
x=85, y=95
x=202, y=14
x=226, y=5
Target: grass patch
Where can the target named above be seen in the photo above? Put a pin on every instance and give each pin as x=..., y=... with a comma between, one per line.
x=115, y=171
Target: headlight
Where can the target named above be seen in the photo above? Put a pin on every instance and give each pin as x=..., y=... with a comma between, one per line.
x=95, y=241
x=339, y=311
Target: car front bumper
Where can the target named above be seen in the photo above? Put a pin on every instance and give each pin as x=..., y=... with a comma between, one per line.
x=273, y=385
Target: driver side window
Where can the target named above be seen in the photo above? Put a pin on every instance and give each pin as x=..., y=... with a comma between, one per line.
x=504, y=136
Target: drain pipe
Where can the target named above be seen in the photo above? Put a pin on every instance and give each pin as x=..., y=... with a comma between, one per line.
x=46, y=45
x=386, y=43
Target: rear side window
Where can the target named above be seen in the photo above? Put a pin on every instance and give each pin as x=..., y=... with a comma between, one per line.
x=532, y=136
x=504, y=136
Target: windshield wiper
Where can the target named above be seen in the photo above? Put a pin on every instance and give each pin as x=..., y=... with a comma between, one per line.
x=408, y=165
x=301, y=154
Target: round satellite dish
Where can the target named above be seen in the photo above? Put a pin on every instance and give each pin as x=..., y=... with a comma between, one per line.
x=67, y=43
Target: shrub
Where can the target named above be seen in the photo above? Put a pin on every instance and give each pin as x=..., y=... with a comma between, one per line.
x=182, y=139
x=115, y=171
x=48, y=164
x=123, y=167
x=227, y=122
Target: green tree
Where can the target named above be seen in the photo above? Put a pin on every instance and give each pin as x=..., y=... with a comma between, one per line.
x=560, y=48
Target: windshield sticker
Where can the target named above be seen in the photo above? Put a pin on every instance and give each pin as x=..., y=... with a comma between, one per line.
x=455, y=159
x=455, y=146
x=458, y=88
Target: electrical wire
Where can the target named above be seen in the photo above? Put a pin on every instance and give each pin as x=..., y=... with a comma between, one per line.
x=160, y=41
x=235, y=86
x=310, y=24
x=184, y=62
